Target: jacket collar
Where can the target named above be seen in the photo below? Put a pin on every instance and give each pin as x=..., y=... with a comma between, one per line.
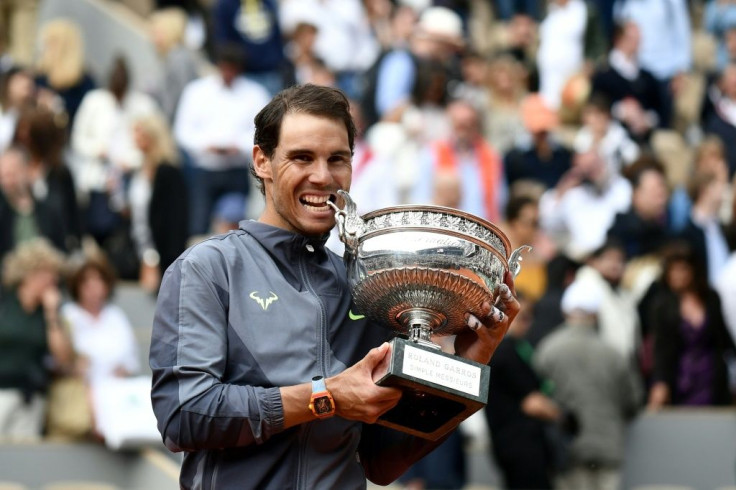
x=283, y=242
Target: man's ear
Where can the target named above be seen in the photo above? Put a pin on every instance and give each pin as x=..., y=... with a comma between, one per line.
x=261, y=163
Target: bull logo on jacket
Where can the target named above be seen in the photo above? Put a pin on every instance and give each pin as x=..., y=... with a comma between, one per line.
x=264, y=303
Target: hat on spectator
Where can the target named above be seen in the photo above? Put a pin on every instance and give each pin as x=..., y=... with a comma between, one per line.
x=536, y=114
x=441, y=23
x=582, y=297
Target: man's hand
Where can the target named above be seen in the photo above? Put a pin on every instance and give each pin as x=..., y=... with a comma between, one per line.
x=357, y=396
x=484, y=334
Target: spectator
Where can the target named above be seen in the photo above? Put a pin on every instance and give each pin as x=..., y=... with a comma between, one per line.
x=468, y=155
x=690, y=337
x=22, y=218
x=540, y=159
x=254, y=26
x=519, y=409
x=180, y=64
x=721, y=121
x=581, y=208
x=704, y=231
x=61, y=65
x=503, y=124
x=594, y=382
x=605, y=135
x=159, y=207
x=214, y=124
x=665, y=49
x=569, y=36
x=643, y=228
x=726, y=288
x=633, y=91
x=31, y=334
x=17, y=94
x=719, y=18
x=51, y=180
x=547, y=312
x=618, y=318
x=100, y=331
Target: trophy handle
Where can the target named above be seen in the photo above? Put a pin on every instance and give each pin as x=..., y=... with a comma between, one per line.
x=350, y=226
x=515, y=259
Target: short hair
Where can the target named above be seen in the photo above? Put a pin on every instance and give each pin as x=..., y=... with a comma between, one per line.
x=645, y=163
x=309, y=99
x=516, y=204
x=171, y=22
x=599, y=101
x=95, y=262
x=29, y=257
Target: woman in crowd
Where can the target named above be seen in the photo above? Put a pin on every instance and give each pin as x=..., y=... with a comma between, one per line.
x=61, y=64
x=100, y=331
x=158, y=201
x=31, y=333
x=690, y=337
x=17, y=92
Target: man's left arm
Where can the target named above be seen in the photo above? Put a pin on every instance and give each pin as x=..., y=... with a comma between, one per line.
x=386, y=454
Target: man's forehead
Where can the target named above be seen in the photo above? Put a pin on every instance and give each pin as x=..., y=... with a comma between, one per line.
x=304, y=126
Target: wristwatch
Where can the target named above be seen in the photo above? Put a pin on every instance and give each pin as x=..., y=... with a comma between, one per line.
x=321, y=402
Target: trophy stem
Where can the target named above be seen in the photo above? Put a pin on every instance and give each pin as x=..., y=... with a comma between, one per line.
x=420, y=322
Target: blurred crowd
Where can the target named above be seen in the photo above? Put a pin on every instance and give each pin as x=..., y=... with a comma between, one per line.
x=601, y=132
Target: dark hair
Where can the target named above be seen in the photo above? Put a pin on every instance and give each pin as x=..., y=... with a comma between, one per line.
x=97, y=262
x=599, y=101
x=231, y=53
x=46, y=135
x=611, y=243
x=682, y=251
x=118, y=79
x=516, y=204
x=309, y=99
x=642, y=165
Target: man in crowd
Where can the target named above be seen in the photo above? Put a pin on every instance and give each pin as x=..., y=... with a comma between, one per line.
x=245, y=320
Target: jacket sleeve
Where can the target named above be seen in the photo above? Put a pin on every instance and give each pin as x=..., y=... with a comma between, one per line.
x=195, y=408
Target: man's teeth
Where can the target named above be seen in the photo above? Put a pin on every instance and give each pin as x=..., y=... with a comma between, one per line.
x=315, y=200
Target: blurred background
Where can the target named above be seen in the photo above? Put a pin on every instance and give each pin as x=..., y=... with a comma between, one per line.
x=601, y=132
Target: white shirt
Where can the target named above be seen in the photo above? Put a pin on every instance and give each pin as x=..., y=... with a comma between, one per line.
x=212, y=114
x=616, y=148
x=139, y=198
x=560, y=53
x=106, y=341
x=104, y=127
x=582, y=216
x=726, y=287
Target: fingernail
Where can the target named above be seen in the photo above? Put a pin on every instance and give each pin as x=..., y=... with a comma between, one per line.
x=497, y=315
x=504, y=292
x=473, y=322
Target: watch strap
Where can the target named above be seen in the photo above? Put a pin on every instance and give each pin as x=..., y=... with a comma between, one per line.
x=318, y=384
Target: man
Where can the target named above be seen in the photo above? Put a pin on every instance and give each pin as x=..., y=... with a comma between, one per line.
x=214, y=124
x=633, y=91
x=245, y=320
x=469, y=157
x=595, y=383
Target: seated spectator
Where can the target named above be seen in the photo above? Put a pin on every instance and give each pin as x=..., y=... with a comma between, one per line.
x=633, y=91
x=581, y=208
x=51, y=180
x=602, y=133
x=721, y=121
x=33, y=341
x=690, y=336
x=704, y=231
x=101, y=334
x=643, y=228
x=61, y=65
x=100, y=331
x=541, y=158
x=159, y=206
x=503, y=125
x=22, y=217
x=17, y=93
x=596, y=384
x=519, y=409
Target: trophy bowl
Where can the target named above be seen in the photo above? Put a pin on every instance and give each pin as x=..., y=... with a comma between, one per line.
x=418, y=270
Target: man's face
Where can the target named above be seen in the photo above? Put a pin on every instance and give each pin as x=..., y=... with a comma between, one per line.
x=311, y=162
x=650, y=196
x=610, y=264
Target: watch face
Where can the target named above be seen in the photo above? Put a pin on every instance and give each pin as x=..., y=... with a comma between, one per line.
x=322, y=405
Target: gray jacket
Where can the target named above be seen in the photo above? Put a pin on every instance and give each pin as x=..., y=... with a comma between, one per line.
x=239, y=316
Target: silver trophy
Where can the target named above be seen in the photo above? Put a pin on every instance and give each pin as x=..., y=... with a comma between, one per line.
x=418, y=270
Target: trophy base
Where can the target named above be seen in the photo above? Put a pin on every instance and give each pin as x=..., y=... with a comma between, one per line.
x=440, y=390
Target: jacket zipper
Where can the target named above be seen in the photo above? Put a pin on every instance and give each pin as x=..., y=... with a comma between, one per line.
x=321, y=362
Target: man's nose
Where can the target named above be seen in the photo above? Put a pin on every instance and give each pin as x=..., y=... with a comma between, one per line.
x=320, y=172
